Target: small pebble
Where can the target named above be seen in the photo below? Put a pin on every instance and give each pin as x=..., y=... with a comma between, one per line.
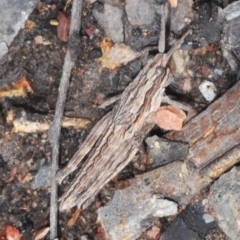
x=208, y=218
x=208, y=90
x=38, y=40
x=204, y=202
x=218, y=71
x=95, y=53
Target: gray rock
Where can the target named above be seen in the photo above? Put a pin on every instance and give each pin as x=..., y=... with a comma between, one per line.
x=225, y=195
x=181, y=16
x=230, y=39
x=210, y=30
x=14, y=13
x=111, y=21
x=165, y=208
x=140, y=12
x=43, y=177
x=232, y=34
x=123, y=218
x=142, y=16
x=126, y=218
x=164, y=151
x=232, y=10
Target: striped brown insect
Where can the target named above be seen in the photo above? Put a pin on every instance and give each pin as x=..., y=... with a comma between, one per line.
x=117, y=137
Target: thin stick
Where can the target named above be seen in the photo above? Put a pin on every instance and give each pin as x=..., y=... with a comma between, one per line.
x=162, y=37
x=54, y=131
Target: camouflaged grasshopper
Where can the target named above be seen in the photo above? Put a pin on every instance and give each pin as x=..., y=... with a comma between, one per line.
x=117, y=137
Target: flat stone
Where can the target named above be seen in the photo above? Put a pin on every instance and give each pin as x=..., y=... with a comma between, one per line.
x=111, y=21
x=181, y=16
x=225, y=195
x=232, y=10
x=139, y=12
x=14, y=13
x=127, y=215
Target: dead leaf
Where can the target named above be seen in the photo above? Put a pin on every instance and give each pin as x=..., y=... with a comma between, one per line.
x=18, y=89
x=173, y=3
x=169, y=118
x=122, y=53
x=113, y=55
x=41, y=234
x=10, y=233
x=153, y=232
x=63, y=26
x=74, y=218
x=75, y=122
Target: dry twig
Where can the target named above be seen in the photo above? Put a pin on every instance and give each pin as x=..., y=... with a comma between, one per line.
x=54, y=131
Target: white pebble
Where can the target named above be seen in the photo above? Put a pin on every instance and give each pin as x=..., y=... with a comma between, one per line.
x=208, y=218
x=208, y=90
x=204, y=202
x=165, y=208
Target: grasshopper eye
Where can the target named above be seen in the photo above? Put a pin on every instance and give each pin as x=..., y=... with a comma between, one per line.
x=160, y=71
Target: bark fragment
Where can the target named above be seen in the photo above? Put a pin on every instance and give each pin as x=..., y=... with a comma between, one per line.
x=214, y=131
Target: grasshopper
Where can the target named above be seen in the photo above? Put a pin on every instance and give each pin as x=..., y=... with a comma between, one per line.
x=117, y=137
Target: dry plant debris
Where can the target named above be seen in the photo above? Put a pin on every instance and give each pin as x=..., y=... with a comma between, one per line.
x=25, y=126
x=113, y=55
x=54, y=131
x=18, y=89
x=208, y=134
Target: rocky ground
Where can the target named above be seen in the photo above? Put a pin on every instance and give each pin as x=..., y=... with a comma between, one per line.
x=166, y=192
